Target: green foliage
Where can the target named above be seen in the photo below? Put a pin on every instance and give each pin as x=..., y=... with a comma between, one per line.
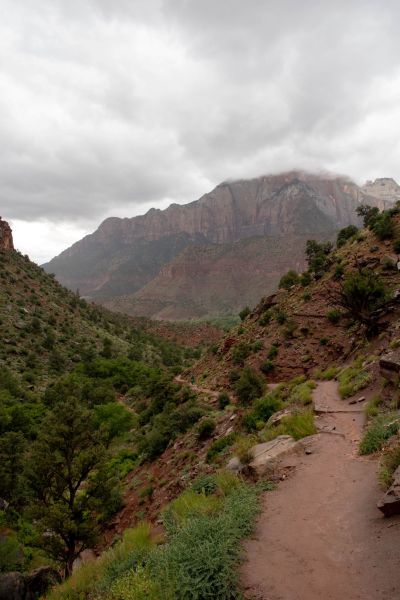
x=263, y=409
x=372, y=407
x=327, y=375
x=299, y=425
x=379, y=430
x=249, y=386
x=11, y=555
x=67, y=453
x=305, y=278
x=396, y=246
x=389, y=462
x=223, y=400
x=367, y=213
x=383, y=226
x=289, y=279
x=205, y=429
x=333, y=316
x=345, y=234
x=219, y=446
x=265, y=318
x=352, y=379
x=301, y=393
x=318, y=255
x=240, y=352
x=273, y=352
x=360, y=294
x=244, y=313
x=267, y=366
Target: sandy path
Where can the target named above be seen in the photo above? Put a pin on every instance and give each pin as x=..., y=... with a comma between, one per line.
x=320, y=535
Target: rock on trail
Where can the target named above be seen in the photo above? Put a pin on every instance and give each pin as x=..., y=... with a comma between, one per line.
x=320, y=535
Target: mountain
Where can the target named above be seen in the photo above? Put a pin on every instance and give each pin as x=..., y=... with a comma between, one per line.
x=124, y=256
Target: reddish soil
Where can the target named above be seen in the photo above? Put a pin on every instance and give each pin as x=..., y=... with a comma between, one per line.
x=320, y=535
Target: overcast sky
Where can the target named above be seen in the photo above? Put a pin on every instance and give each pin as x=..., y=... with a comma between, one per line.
x=109, y=107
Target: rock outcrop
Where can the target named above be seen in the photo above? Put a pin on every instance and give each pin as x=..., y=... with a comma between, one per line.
x=17, y=586
x=6, y=238
x=390, y=503
x=125, y=255
x=384, y=188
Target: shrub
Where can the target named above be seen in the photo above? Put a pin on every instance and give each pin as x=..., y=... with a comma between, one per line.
x=191, y=504
x=205, y=429
x=380, y=429
x=305, y=278
x=280, y=316
x=372, y=408
x=327, y=375
x=383, y=226
x=243, y=448
x=345, y=234
x=244, y=313
x=204, y=484
x=360, y=294
x=302, y=393
x=263, y=409
x=289, y=279
x=249, y=386
x=396, y=246
x=267, y=367
x=265, y=318
x=220, y=445
x=223, y=400
x=240, y=352
x=333, y=316
x=317, y=255
x=273, y=352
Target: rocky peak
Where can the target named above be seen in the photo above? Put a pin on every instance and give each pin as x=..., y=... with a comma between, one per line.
x=384, y=188
x=6, y=238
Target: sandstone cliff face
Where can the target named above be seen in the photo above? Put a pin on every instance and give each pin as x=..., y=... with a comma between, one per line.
x=6, y=238
x=384, y=188
x=125, y=255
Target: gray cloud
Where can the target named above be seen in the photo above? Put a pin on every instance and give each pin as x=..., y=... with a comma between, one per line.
x=109, y=107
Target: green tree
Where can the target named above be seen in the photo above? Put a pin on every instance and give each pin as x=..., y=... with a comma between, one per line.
x=367, y=213
x=317, y=254
x=61, y=474
x=249, y=386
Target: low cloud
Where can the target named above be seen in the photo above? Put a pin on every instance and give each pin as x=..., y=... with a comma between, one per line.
x=112, y=107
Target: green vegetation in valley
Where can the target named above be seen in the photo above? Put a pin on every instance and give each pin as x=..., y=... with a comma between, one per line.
x=197, y=560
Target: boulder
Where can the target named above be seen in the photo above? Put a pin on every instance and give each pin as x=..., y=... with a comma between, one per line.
x=12, y=586
x=267, y=456
x=389, y=364
x=390, y=503
x=277, y=417
x=17, y=586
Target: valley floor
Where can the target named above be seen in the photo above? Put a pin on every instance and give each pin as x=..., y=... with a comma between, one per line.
x=320, y=535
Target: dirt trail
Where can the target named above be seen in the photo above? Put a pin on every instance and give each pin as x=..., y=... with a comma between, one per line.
x=200, y=390
x=320, y=535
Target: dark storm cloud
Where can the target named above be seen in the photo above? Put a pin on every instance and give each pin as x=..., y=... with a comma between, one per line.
x=109, y=106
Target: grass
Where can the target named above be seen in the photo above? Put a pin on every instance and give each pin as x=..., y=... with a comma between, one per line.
x=198, y=561
x=299, y=425
x=372, y=407
x=353, y=379
x=379, y=430
x=389, y=462
x=327, y=375
x=302, y=393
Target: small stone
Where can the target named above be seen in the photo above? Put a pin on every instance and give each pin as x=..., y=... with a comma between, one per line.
x=361, y=399
x=308, y=451
x=353, y=401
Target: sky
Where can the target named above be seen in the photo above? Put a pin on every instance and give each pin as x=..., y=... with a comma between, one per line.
x=110, y=107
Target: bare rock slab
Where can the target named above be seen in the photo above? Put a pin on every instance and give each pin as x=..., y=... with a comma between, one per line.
x=267, y=456
x=390, y=503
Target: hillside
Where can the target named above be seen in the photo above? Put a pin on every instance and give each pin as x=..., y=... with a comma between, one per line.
x=124, y=256
x=321, y=355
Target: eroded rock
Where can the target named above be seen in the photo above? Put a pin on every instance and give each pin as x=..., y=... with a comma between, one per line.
x=390, y=503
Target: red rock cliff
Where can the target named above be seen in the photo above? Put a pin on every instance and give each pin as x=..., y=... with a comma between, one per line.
x=6, y=238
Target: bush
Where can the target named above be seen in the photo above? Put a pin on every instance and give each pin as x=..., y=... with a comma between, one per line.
x=345, y=234
x=205, y=429
x=360, y=294
x=317, y=255
x=289, y=279
x=333, y=316
x=240, y=352
x=249, y=387
x=219, y=446
x=267, y=367
x=273, y=352
x=305, y=278
x=265, y=318
x=383, y=226
x=223, y=400
x=396, y=246
x=244, y=313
